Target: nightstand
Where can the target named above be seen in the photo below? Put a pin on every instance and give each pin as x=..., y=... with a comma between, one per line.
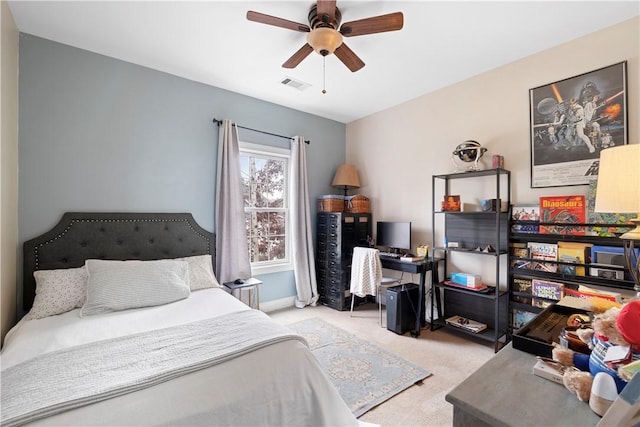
x=247, y=292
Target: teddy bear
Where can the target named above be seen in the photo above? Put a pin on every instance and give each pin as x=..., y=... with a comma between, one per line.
x=615, y=326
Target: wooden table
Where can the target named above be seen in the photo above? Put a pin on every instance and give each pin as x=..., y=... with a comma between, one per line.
x=505, y=392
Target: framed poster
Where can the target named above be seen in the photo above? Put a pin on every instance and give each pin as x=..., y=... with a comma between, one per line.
x=572, y=120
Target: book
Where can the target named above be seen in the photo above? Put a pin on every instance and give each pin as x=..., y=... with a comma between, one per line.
x=586, y=292
x=519, y=249
x=521, y=299
x=575, y=253
x=451, y=203
x=522, y=285
x=411, y=258
x=563, y=210
x=525, y=213
x=521, y=318
x=547, y=289
x=549, y=369
x=604, y=218
x=520, y=264
x=466, y=324
x=546, y=252
x=520, y=252
x=541, y=302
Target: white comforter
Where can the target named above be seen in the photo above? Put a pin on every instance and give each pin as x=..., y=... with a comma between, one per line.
x=278, y=385
x=30, y=338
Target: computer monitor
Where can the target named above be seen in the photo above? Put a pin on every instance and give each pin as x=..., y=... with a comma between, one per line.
x=394, y=235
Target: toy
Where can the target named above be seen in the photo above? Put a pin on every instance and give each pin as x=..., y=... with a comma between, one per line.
x=614, y=327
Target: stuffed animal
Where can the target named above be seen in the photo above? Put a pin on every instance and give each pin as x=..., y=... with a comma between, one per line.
x=614, y=327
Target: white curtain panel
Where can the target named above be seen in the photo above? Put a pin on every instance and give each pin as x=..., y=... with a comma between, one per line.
x=302, y=241
x=232, y=251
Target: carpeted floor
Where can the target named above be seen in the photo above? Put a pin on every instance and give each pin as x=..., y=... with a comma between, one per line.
x=364, y=373
x=449, y=357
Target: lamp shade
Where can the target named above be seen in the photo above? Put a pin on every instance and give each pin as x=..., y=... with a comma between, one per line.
x=618, y=187
x=346, y=177
x=324, y=40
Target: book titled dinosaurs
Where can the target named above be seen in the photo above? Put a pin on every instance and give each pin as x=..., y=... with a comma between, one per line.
x=562, y=215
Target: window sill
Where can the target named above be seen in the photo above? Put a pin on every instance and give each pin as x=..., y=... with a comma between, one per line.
x=272, y=268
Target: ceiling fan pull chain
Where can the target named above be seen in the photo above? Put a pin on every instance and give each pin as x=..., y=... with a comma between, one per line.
x=324, y=74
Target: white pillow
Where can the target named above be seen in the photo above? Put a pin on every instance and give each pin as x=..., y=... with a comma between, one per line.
x=121, y=285
x=58, y=291
x=201, y=274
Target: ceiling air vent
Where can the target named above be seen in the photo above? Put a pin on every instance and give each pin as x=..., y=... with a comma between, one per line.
x=296, y=84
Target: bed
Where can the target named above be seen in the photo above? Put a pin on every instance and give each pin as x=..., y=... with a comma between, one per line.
x=152, y=338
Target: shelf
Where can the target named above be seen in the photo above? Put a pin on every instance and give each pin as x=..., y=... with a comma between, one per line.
x=489, y=295
x=554, y=238
x=470, y=213
x=488, y=334
x=471, y=251
x=472, y=174
x=577, y=280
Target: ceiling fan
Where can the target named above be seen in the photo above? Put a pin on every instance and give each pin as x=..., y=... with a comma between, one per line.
x=326, y=33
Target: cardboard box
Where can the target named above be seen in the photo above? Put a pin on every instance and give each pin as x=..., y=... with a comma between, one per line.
x=491, y=205
x=538, y=335
x=466, y=279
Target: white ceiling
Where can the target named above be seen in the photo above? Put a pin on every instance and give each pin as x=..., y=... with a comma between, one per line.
x=442, y=42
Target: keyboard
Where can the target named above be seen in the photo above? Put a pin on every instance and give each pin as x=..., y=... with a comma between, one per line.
x=389, y=255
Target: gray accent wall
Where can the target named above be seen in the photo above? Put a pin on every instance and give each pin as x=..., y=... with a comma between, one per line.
x=100, y=134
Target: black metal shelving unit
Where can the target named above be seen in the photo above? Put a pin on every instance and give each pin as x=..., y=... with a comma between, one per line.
x=472, y=230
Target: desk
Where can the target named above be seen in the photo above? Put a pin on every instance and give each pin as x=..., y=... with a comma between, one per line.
x=504, y=392
x=418, y=267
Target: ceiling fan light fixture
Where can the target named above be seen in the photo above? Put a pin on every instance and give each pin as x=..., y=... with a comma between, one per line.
x=324, y=40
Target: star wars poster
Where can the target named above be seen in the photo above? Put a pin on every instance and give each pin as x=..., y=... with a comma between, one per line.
x=572, y=120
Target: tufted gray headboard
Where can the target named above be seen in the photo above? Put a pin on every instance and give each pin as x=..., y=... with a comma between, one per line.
x=116, y=236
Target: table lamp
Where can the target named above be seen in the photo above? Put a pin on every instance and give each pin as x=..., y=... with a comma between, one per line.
x=346, y=177
x=618, y=190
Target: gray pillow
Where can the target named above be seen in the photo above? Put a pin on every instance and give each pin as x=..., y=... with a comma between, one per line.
x=122, y=285
x=201, y=274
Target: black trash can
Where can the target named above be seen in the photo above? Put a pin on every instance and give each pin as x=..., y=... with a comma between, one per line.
x=402, y=307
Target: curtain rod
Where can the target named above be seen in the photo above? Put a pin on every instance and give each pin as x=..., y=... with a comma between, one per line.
x=219, y=122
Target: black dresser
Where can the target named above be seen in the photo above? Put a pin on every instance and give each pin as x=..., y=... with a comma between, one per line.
x=337, y=234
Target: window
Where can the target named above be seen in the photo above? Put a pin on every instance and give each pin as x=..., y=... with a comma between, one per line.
x=265, y=182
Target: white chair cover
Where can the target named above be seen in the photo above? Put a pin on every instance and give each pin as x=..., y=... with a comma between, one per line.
x=366, y=271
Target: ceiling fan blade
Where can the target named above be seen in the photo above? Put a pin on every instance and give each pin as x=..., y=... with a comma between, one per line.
x=376, y=24
x=326, y=7
x=348, y=58
x=277, y=22
x=297, y=57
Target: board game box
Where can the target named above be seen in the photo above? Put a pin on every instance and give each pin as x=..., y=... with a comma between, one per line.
x=525, y=213
x=545, y=252
x=575, y=253
x=547, y=289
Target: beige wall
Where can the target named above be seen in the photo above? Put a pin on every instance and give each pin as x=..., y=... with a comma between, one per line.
x=8, y=168
x=397, y=150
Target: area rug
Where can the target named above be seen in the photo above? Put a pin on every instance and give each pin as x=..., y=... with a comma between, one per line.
x=365, y=375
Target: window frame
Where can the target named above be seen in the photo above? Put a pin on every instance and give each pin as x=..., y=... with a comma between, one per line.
x=267, y=151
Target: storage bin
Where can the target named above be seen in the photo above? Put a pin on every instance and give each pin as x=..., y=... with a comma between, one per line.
x=331, y=203
x=358, y=204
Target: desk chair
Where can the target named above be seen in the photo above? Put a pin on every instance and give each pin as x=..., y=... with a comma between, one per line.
x=366, y=276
